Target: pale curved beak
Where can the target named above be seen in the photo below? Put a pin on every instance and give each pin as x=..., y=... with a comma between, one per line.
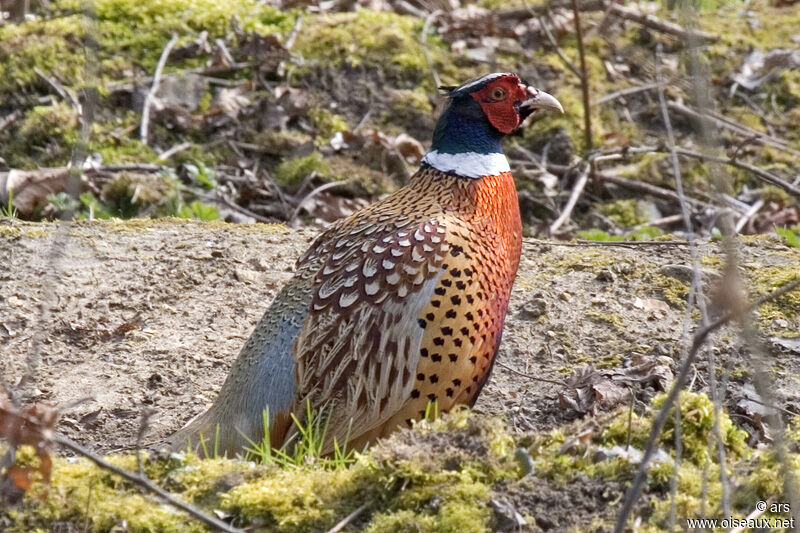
x=540, y=99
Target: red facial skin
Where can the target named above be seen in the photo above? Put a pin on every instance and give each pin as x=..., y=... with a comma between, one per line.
x=498, y=101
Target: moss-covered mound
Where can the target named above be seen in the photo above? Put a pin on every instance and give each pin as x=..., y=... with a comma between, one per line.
x=463, y=472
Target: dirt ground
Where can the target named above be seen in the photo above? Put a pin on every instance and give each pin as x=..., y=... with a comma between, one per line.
x=148, y=315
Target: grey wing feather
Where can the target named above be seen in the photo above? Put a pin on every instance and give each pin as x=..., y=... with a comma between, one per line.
x=261, y=377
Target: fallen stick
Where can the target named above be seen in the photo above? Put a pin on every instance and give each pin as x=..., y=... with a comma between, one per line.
x=151, y=95
x=633, y=14
x=731, y=125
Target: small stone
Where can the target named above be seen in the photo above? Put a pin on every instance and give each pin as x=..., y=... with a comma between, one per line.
x=506, y=516
x=606, y=275
x=534, y=308
x=779, y=323
x=245, y=275
x=680, y=272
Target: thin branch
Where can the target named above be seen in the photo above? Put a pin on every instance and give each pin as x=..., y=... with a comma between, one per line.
x=151, y=95
x=630, y=13
x=556, y=47
x=10, y=119
x=174, y=150
x=680, y=381
x=624, y=244
x=697, y=279
x=62, y=91
x=577, y=190
x=236, y=207
x=425, y=29
x=646, y=188
x=626, y=92
x=146, y=484
x=347, y=519
x=587, y=107
x=744, y=219
x=529, y=376
x=760, y=173
x=731, y=125
x=313, y=193
x=685, y=152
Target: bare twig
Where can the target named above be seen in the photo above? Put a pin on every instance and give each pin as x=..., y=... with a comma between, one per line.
x=587, y=107
x=146, y=484
x=624, y=244
x=685, y=152
x=554, y=43
x=529, y=376
x=151, y=95
x=10, y=119
x=577, y=190
x=62, y=91
x=236, y=207
x=174, y=150
x=760, y=173
x=680, y=381
x=646, y=188
x=731, y=125
x=697, y=280
x=626, y=92
x=313, y=193
x=425, y=29
x=347, y=519
x=744, y=219
x=143, y=426
x=631, y=13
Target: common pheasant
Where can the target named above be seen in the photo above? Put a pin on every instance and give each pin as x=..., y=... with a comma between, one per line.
x=398, y=305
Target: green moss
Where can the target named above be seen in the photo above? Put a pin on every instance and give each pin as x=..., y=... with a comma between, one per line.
x=591, y=260
x=438, y=478
x=411, y=100
x=712, y=260
x=623, y=212
x=697, y=419
x=50, y=132
x=326, y=124
x=672, y=290
x=363, y=180
x=611, y=319
x=130, y=33
x=292, y=171
x=302, y=500
x=280, y=142
x=766, y=279
x=385, y=40
x=52, y=46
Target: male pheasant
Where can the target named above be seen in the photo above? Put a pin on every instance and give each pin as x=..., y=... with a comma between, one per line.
x=398, y=305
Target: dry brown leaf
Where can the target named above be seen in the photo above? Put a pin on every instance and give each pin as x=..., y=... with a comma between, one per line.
x=589, y=388
x=32, y=426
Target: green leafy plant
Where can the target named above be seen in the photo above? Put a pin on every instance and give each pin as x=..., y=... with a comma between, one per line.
x=792, y=237
x=9, y=210
x=202, y=174
x=199, y=211
x=92, y=208
x=306, y=449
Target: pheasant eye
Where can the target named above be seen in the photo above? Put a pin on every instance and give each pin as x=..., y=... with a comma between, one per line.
x=498, y=93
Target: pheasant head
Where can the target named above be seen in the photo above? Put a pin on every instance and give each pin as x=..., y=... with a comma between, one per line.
x=478, y=113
